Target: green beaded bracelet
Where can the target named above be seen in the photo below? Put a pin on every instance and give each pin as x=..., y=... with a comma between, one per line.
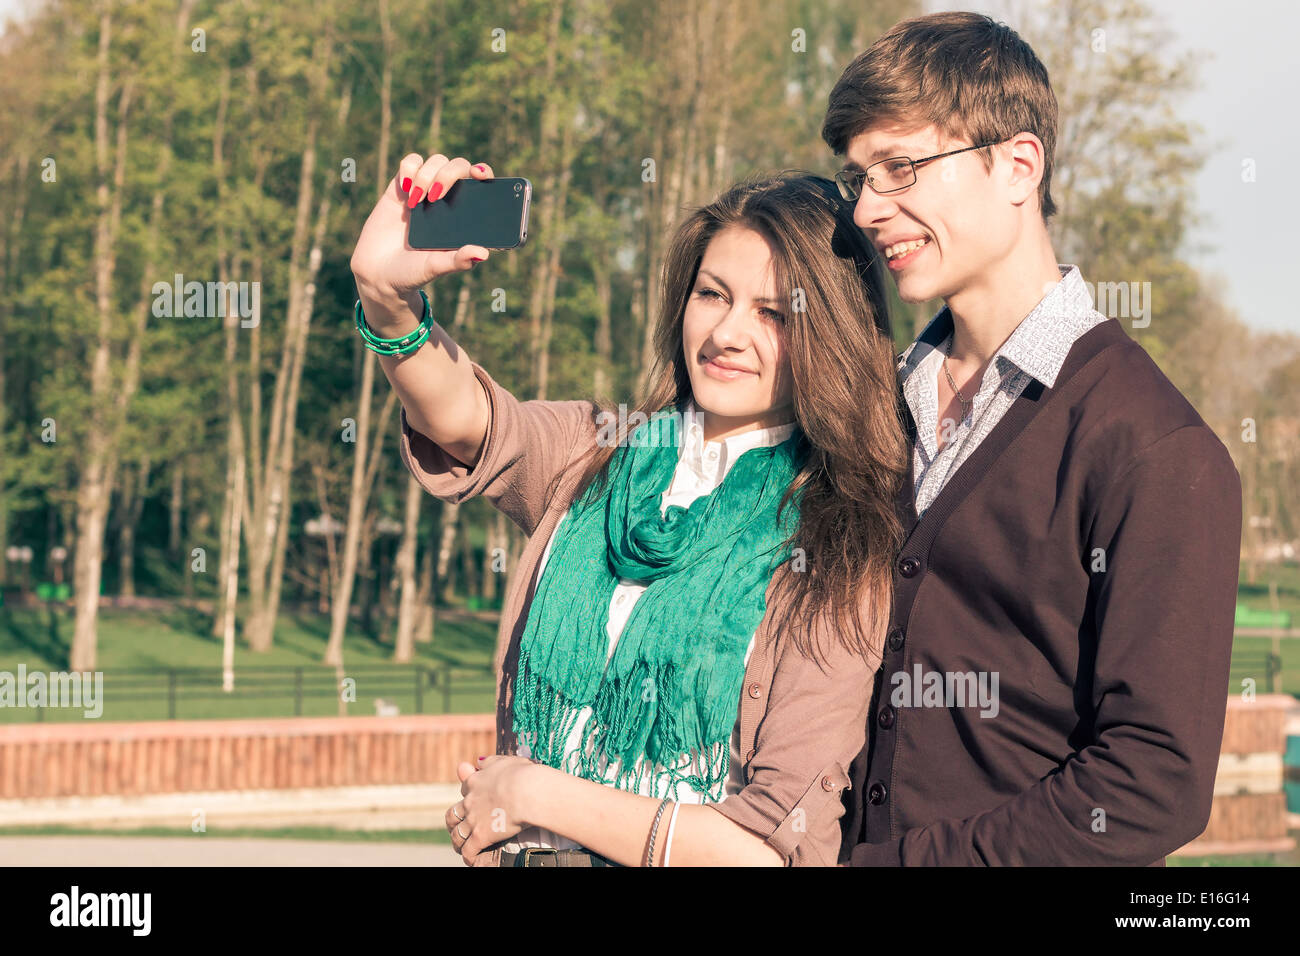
x=402, y=344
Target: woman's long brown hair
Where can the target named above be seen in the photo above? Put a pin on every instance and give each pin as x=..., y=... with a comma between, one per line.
x=845, y=399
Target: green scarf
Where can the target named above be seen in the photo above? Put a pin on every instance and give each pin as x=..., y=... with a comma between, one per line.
x=672, y=686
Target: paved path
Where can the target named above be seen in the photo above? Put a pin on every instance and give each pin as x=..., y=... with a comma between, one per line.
x=215, y=851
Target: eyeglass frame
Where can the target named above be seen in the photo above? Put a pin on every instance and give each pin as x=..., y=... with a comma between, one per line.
x=861, y=177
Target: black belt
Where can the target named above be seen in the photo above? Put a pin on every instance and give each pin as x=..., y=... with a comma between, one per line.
x=547, y=856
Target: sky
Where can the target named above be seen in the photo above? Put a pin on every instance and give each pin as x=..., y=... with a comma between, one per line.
x=1246, y=242
x=1247, y=77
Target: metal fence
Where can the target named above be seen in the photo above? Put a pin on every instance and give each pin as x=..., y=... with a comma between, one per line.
x=427, y=683
x=1265, y=665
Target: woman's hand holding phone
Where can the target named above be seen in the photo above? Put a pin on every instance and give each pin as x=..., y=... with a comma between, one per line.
x=388, y=272
x=440, y=395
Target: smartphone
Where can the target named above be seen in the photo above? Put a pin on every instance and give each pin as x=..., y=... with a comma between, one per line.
x=474, y=212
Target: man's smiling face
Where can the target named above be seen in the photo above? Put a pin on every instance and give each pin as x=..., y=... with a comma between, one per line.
x=955, y=208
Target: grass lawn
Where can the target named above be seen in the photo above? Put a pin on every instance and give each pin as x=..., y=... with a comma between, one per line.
x=181, y=638
x=1256, y=595
x=1252, y=648
x=1257, y=859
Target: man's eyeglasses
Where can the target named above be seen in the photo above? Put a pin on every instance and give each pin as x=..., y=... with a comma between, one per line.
x=889, y=175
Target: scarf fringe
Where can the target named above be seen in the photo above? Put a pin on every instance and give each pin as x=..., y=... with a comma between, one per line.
x=618, y=738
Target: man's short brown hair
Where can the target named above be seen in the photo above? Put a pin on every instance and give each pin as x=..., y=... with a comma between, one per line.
x=965, y=73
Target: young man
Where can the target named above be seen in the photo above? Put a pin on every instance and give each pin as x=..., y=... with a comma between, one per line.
x=1054, y=683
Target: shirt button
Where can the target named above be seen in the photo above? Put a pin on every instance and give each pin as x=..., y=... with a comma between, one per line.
x=828, y=784
x=896, y=639
x=908, y=567
x=886, y=717
x=755, y=690
x=877, y=794
x=620, y=599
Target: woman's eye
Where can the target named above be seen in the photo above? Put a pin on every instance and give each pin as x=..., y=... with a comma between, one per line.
x=774, y=315
x=708, y=293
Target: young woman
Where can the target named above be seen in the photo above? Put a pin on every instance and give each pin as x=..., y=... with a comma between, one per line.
x=687, y=649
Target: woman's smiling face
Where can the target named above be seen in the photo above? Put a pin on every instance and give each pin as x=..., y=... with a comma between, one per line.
x=733, y=337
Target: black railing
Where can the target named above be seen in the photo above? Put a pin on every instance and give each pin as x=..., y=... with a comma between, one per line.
x=372, y=682
x=1266, y=665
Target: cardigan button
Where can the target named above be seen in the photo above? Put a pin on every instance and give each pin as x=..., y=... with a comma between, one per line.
x=828, y=784
x=877, y=794
x=908, y=567
x=755, y=690
x=749, y=756
x=896, y=639
x=886, y=717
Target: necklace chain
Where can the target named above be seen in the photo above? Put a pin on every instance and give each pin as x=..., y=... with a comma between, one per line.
x=965, y=402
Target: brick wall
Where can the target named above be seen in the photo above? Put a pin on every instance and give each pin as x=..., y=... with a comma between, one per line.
x=1249, y=810
x=99, y=759
x=90, y=758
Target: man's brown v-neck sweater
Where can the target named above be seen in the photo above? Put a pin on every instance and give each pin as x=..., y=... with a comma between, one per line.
x=1080, y=569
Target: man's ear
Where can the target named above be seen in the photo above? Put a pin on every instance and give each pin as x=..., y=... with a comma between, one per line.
x=1025, y=151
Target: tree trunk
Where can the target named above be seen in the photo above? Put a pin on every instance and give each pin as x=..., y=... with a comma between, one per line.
x=494, y=558
x=365, y=573
x=548, y=206
x=469, y=582
x=404, y=640
x=13, y=228
x=232, y=587
x=272, y=499
x=603, y=382
x=450, y=513
x=552, y=271
x=134, y=488
x=96, y=479
x=424, y=617
x=175, y=509
x=365, y=463
x=233, y=504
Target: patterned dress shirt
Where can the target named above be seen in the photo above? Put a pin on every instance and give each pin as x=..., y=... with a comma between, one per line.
x=1036, y=349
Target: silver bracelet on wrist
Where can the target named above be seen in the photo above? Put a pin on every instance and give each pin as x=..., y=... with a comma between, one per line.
x=654, y=831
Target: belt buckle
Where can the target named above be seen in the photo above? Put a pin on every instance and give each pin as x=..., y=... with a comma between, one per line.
x=541, y=851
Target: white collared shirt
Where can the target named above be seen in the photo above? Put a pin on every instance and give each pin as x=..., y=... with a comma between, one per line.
x=701, y=467
x=1035, y=349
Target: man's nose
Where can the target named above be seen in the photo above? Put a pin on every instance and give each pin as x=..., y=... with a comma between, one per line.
x=872, y=209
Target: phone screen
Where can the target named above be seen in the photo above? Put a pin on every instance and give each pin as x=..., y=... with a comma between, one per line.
x=481, y=212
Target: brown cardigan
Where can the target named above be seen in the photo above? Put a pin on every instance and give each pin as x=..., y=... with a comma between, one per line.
x=800, y=726
x=1086, y=554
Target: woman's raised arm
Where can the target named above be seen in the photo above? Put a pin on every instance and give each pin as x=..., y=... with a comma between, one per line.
x=435, y=383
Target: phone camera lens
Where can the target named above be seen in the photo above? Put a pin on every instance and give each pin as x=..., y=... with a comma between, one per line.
x=519, y=187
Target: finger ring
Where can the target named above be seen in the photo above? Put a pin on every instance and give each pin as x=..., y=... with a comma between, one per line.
x=453, y=810
x=463, y=836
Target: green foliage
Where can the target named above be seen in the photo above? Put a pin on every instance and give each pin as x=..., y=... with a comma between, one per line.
x=706, y=91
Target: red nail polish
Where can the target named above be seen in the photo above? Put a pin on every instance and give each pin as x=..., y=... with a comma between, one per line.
x=406, y=184
x=475, y=259
x=435, y=192
x=416, y=193
x=479, y=167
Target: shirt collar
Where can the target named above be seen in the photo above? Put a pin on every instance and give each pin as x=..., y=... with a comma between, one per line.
x=703, y=457
x=1038, y=345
